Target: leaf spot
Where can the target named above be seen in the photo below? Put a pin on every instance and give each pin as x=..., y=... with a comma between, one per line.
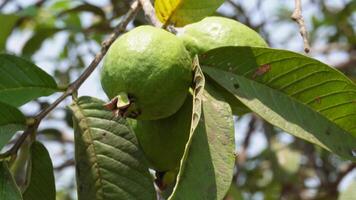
x=318, y=100
x=262, y=70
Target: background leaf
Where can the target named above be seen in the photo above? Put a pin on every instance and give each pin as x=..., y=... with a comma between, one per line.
x=8, y=187
x=7, y=22
x=41, y=177
x=182, y=12
x=22, y=81
x=296, y=93
x=35, y=42
x=209, y=165
x=11, y=120
x=109, y=163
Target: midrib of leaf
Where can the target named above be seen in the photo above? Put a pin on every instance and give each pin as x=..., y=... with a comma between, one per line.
x=86, y=128
x=198, y=91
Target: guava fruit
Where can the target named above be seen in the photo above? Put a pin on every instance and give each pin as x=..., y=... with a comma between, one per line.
x=147, y=73
x=163, y=141
x=214, y=32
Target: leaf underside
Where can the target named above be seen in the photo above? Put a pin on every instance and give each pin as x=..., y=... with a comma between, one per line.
x=22, y=81
x=207, y=168
x=296, y=93
x=109, y=164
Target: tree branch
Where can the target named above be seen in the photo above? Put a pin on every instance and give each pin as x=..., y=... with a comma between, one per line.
x=73, y=87
x=150, y=13
x=298, y=17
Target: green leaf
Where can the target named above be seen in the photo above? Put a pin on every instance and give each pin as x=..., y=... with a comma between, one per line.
x=35, y=42
x=86, y=7
x=296, y=93
x=22, y=81
x=11, y=120
x=41, y=178
x=209, y=163
x=182, y=12
x=7, y=22
x=110, y=164
x=8, y=187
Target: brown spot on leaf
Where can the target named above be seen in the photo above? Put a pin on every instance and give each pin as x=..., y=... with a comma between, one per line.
x=261, y=70
x=318, y=99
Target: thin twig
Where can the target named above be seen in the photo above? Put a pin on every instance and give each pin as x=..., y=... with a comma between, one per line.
x=298, y=17
x=150, y=13
x=31, y=128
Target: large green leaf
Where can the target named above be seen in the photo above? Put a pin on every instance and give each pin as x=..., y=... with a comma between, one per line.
x=41, y=178
x=7, y=22
x=22, y=81
x=109, y=164
x=8, y=187
x=182, y=12
x=208, y=167
x=296, y=93
x=11, y=120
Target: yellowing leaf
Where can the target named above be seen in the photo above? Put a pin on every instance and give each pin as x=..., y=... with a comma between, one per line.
x=182, y=12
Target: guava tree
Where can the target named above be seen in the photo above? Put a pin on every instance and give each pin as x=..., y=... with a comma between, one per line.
x=166, y=129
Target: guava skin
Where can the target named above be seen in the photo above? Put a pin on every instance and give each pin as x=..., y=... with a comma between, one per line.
x=214, y=32
x=163, y=141
x=153, y=67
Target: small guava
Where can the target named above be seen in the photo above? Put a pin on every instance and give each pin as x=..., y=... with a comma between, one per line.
x=147, y=73
x=214, y=32
x=163, y=141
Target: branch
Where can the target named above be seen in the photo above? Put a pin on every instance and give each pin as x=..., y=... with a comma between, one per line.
x=73, y=87
x=298, y=17
x=150, y=13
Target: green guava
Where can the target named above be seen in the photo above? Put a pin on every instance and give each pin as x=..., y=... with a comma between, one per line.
x=214, y=32
x=148, y=71
x=163, y=141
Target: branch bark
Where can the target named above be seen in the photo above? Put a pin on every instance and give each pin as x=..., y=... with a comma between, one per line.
x=298, y=17
x=73, y=87
x=150, y=13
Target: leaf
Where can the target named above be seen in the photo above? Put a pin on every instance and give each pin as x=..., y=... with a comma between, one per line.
x=109, y=163
x=296, y=93
x=86, y=7
x=11, y=120
x=207, y=166
x=7, y=22
x=182, y=12
x=35, y=42
x=8, y=187
x=22, y=81
x=40, y=177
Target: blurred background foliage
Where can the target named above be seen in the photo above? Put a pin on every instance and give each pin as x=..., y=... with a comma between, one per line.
x=62, y=36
